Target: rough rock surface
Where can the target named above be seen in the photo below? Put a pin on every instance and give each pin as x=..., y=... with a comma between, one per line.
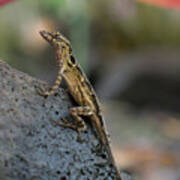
x=32, y=147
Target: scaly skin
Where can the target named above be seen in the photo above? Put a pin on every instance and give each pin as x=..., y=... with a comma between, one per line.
x=80, y=89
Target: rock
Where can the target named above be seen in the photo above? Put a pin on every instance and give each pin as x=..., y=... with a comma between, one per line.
x=34, y=147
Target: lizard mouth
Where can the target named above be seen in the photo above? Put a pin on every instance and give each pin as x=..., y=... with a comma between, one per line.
x=46, y=35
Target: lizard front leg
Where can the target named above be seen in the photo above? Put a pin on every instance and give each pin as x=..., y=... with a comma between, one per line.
x=54, y=86
x=76, y=113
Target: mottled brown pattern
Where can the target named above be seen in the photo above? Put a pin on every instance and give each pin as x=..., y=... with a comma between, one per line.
x=79, y=87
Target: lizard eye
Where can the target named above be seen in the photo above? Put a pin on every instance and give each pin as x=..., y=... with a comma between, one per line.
x=73, y=61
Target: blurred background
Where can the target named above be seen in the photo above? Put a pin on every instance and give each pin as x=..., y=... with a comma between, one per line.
x=130, y=52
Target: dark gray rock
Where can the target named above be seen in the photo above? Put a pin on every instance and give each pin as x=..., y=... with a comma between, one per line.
x=32, y=147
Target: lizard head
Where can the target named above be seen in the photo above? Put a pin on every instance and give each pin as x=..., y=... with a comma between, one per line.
x=57, y=40
x=62, y=47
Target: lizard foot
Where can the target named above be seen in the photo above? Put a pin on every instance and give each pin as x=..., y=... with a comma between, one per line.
x=41, y=91
x=71, y=126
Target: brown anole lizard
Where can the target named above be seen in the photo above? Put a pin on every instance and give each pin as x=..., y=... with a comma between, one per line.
x=80, y=89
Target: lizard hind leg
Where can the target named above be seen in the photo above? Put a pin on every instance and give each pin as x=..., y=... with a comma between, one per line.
x=79, y=111
x=76, y=113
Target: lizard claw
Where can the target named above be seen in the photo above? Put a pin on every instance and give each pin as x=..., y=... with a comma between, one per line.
x=41, y=91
